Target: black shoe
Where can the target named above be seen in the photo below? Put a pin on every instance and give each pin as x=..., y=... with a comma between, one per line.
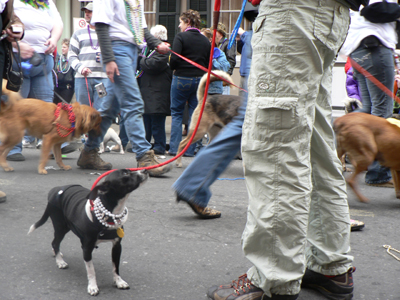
x=16, y=157
x=3, y=197
x=338, y=287
x=69, y=148
x=243, y=289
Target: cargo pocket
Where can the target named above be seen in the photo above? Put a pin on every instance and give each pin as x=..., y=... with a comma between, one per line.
x=257, y=32
x=330, y=26
x=276, y=113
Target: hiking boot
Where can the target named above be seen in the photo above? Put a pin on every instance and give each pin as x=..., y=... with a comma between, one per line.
x=243, y=289
x=338, y=287
x=3, y=197
x=149, y=159
x=202, y=212
x=91, y=160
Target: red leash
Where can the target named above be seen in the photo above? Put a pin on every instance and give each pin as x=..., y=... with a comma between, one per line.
x=87, y=88
x=217, y=7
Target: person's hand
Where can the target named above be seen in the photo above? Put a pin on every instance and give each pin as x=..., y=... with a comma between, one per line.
x=12, y=36
x=163, y=48
x=86, y=72
x=52, y=44
x=111, y=69
x=26, y=50
x=241, y=31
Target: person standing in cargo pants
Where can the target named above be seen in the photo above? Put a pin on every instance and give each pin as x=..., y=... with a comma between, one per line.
x=298, y=226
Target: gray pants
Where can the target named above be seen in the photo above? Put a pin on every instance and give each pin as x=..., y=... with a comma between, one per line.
x=298, y=214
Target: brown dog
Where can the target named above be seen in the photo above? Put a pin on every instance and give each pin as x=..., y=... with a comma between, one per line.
x=38, y=117
x=219, y=110
x=364, y=138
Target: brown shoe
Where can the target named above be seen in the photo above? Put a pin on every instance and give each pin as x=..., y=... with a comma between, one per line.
x=149, y=159
x=3, y=197
x=91, y=160
x=202, y=212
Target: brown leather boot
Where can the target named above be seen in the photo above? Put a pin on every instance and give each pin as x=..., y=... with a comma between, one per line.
x=149, y=159
x=91, y=160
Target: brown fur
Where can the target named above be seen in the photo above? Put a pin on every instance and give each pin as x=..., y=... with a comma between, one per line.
x=219, y=110
x=37, y=117
x=364, y=138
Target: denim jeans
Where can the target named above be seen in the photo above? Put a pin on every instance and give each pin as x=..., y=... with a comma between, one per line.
x=37, y=84
x=378, y=61
x=82, y=91
x=194, y=183
x=123, y=95
x=155, y=127
x=183, y=89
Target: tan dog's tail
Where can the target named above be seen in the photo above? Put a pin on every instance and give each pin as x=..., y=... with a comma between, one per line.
x=11, y=97
x=202, y=85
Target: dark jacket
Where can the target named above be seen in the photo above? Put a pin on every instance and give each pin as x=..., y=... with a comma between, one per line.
x=229, y=53
x=8, y=16
x=155, y=84
x=194, y=46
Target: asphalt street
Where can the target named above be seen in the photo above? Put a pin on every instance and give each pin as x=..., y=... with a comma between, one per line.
x=168, y=252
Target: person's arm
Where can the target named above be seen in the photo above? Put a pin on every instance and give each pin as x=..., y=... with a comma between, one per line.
x=231, y=57
x=56, y=31
x=177, y=47
x=107, y=53
x=154, y=64
x=73, y=54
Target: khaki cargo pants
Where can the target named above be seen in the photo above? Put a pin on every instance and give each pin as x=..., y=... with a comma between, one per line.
x=298, y=214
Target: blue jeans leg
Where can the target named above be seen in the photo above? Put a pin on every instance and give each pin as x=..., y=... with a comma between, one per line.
x=127, y=92
x=83, y=91
x=183, y=89
x=194, y=183
x=378, y=61
x=122, y=132
x=158, y=132
x=38, y=84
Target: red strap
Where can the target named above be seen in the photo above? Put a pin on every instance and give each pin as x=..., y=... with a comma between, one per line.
x=205, y=69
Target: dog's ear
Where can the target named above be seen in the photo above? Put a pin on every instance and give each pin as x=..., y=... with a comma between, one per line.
x=104, y=187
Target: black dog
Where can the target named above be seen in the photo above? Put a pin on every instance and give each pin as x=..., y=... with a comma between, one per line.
x=94, y=216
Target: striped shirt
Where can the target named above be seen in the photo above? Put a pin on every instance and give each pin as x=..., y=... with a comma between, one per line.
x=82, y=55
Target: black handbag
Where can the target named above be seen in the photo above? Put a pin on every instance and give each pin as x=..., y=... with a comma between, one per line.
x=14, y=77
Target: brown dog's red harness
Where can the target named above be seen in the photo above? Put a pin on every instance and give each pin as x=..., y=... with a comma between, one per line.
x=71, y=118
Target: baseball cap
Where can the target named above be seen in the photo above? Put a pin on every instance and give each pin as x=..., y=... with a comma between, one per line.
x=89, y=6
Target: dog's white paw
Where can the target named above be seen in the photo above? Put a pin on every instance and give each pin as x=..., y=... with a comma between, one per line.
x=93, y=290
x=120, y=283
x=61, y=264
x=179, y=164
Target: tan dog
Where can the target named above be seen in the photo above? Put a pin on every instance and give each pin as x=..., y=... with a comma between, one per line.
x=38, y=117
x=364, y=138
x=219, y=110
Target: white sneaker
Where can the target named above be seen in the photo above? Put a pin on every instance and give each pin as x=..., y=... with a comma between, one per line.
x=39, y=144
x=27, y=144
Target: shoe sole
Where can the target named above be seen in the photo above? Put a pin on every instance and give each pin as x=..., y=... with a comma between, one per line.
x=328, y=294
x=159, y=173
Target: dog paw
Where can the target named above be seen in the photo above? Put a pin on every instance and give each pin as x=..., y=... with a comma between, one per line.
x=121, y=284
x=178, y=165
x=66, y=167
x=8, y=169
x=93, y=290
x=62, y=265
x=42, y=172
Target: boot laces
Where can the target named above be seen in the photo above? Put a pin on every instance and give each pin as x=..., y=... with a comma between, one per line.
x=242, y=284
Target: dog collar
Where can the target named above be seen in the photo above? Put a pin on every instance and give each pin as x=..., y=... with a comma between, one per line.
x=71, y=118
x=105, y=217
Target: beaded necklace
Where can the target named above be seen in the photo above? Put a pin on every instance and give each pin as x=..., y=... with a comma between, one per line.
x=222, y=43
x=37, y=3
x=134, y=18
x=104, y=216
x=63, y=69
x=91, y=42
x=190, y=28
